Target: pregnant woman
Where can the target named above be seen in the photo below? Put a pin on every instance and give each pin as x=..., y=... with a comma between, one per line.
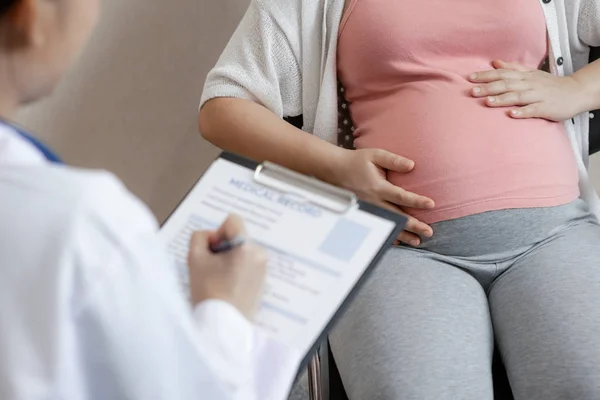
x=456, y=127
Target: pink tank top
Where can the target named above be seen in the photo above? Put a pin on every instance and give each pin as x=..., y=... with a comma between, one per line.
x=404, y=65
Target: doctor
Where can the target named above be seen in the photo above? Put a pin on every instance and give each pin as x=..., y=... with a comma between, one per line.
x=89, y=303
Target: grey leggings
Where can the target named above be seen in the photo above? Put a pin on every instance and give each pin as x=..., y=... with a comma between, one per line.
x=423, y=327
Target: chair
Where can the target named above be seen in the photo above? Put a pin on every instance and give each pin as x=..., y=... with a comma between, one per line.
x=324, y=381
x=595, y=115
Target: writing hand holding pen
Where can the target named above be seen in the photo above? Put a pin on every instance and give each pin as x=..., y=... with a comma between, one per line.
x=223, y=265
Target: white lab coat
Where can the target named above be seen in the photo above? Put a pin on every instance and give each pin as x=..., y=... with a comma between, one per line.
x=89, y=303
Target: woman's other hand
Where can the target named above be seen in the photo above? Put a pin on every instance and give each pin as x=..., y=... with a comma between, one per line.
x=236, y=276
x=529, y=93
x=364, y=172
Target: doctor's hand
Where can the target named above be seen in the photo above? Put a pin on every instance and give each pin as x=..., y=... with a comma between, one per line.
x=236, y=276
x=529, y=93
x=365, y=173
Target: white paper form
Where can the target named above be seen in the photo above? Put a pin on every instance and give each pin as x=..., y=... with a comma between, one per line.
x=316, y=256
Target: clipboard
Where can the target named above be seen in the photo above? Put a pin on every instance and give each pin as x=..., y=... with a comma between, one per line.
x=314, y=195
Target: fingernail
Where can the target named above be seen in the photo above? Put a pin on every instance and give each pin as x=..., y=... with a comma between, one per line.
x=476, y=90
x=491, y=99
x=516, y=113
x=430, y=204
x=415, y=242
x=473, y=76
x=428, y=233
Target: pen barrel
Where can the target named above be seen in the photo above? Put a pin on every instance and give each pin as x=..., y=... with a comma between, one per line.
x=227, y=245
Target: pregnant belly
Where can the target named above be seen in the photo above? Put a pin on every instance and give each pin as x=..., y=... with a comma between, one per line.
x=467, y=155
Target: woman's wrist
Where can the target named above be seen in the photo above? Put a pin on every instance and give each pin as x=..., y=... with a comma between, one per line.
x=331, y=165
x=591, y=98
x=588, y=80
x=584, y=97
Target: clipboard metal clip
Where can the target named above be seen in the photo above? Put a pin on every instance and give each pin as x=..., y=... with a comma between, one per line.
x=309, y=189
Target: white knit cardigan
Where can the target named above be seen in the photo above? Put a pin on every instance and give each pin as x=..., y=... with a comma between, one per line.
x=283, y=56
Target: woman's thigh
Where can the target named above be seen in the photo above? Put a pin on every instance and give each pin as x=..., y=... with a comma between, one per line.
x=546, y=313
x=419, y=329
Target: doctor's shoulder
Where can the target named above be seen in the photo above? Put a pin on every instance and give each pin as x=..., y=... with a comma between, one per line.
x=89, y=216
x=98, y=195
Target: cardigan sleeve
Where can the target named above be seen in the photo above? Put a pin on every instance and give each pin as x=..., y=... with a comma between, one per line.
x=589, y=22
x=261, y=61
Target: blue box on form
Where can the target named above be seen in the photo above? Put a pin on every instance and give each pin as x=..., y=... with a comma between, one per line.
x=344, y=240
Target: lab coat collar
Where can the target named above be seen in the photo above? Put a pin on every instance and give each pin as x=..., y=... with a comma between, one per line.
x=39, y=145
x=18, y=147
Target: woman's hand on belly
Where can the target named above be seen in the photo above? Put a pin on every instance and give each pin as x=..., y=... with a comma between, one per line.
x=528, y=92
x=364, y=172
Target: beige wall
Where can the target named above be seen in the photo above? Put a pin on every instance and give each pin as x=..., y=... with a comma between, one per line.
x=130, y=105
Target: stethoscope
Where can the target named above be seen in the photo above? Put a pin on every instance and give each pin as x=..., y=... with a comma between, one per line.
x=43, y=148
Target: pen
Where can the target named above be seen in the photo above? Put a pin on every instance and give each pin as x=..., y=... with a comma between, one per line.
x=227, y=245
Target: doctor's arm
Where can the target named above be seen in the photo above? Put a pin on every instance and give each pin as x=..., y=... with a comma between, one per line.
x=140, y=339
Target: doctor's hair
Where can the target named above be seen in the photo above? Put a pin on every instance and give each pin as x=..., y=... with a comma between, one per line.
x=6, y=6
x=13, y=23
